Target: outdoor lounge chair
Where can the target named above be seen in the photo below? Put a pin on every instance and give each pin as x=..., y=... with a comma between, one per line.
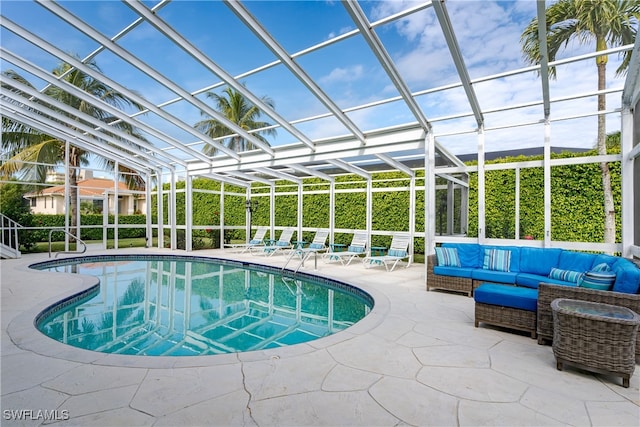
x=317, y=245
x=357, y=247
x=258, y=240
x=397, y=252
x=283, y=243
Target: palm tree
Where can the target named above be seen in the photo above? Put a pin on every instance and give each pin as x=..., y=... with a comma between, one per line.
x=32, y=152
x=235, y=107
x=609, y=23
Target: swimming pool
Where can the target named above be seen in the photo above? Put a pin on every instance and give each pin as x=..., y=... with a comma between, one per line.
x=187, y=306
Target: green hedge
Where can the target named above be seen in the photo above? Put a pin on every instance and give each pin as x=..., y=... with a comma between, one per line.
x=577, y=212
x=57, y=221
x=576, y=193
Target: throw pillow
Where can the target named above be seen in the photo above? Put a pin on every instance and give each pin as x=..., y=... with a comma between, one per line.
x=399, y=253
x=601, y=267
x=447, y=257
x=565, y=275
x=496, y=259
x=598, y=280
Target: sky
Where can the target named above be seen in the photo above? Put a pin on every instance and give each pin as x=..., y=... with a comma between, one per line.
x=488, y=33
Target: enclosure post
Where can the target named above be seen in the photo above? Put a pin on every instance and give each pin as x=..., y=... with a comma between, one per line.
x=147, y=197
x=67, y=190
x=481, y=188
x=160, y=203
x=332, y=211
x=627, y=178
x=546, y=162
x=300, y=206
x=188, y=207
x=116, y=207
x=173, y=221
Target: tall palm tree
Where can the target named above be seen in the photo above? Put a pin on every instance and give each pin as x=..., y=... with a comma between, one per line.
x=609, y=23
x=235, y=107
x=33, y=153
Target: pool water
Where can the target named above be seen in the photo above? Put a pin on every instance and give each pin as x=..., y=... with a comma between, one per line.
x=184, y=306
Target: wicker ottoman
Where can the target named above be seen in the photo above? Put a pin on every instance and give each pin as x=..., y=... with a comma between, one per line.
x=594, y=336
x=507, y=306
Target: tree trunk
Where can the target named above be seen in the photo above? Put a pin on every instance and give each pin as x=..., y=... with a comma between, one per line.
x=609, y=208
x=74, y=163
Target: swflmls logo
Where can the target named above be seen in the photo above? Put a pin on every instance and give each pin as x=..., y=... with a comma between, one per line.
x=35, y=414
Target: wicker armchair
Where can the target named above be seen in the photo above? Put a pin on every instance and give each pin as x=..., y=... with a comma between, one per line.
x=449, y=283
x=548, y=292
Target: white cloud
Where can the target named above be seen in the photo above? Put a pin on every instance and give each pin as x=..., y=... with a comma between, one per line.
x=343, y=75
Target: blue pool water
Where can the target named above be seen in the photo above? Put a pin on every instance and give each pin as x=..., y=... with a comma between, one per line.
x=186, y=306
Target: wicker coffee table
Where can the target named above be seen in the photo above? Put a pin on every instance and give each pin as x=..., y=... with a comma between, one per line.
x=596, y=337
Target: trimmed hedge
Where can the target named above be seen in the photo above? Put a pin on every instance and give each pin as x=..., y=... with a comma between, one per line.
x=57, y=221
x=576, y=193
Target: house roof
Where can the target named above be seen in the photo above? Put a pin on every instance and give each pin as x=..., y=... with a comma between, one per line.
x=93, y=187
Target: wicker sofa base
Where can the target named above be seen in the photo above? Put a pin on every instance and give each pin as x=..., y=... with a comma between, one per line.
x=507, y=317
x=447, y=283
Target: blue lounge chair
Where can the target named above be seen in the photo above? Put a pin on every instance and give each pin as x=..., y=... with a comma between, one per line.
x=357, y=247
x=258, y=240
x=317, y=245
x=397, y=252
x=283, y=243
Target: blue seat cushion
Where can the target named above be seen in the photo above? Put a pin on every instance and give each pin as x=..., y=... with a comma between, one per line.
x=507, y=296
x=453, y=271
x=532, y=280
x=494, y=276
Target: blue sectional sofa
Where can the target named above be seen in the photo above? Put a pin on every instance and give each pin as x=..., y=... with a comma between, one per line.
x=514, y=285
x=527, y=267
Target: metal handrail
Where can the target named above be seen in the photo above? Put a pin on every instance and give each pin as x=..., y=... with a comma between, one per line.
x=70, y=235
x=9, y=232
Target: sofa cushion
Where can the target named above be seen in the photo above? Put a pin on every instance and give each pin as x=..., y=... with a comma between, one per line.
x=448, y=257
x=604, y=258
x=601, y=280
x=533, y=280
x=538, y=260
x=627, y=276
x=566, y=275
x=507, y=296
x=496, y=259
x=469, y=254
x=453, y=271
x=494, y=276
x=575, y=261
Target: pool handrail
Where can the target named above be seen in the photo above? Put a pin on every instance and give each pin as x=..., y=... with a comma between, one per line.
x=78, y=240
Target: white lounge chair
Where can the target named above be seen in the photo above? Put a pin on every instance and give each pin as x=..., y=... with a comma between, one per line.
x=283, y=243
x=317, y=245
x=397, y=252
x=258, y=240
x=357, y=247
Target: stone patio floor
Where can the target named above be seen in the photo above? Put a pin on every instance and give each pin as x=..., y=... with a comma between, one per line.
x=416, y=359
